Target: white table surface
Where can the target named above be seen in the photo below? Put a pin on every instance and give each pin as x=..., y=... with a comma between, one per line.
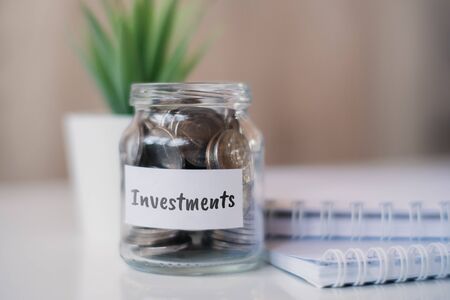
x=42, y=256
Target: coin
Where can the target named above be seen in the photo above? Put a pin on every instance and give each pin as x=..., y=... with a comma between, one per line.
x=159, y=148
x=233, y=237
x=233, y=232
x=148, y=241
x=211, y=160
x=221, y=245
x=149, y=236
x=177, y=245
x=232, y=150
x=152, y=232
x=243, y=230
x=230, y=236
x=196, y=126
x=229, y=149
x=167, y=117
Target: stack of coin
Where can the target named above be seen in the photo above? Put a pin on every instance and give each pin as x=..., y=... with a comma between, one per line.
x=152, y=241
x=192, y=137
x=237, y=239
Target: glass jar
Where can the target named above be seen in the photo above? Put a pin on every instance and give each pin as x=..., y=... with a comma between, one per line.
x=192, y=166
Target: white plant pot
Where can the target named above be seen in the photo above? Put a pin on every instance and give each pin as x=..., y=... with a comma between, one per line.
x=92, y=146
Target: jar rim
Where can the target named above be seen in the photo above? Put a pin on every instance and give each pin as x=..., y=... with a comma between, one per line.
x=175, y=93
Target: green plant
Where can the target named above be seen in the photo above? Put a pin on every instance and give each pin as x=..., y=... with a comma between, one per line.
x=146, y=41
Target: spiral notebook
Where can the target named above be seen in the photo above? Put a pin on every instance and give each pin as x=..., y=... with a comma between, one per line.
x=360, y=224
x=335, y=263
x=389, y=221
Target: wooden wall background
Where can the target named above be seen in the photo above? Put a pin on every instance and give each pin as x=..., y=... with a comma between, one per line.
x=333, y=81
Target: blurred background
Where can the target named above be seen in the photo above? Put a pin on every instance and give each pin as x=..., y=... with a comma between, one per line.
x=333, y=81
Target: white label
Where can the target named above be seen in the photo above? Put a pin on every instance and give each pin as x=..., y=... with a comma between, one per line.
x=183, y=199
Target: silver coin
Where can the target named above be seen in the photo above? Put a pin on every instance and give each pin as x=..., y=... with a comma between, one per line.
x=233, y=237
x=163, y=249
x=133, y=237
x=159, y=148
x=243, y=231
x=220, y=245
x=148, y=241
x=149, y=236
x=234, y=233
x=232, y=240
x=211, y=159
x=196, y=126
x=213, y=162
x=151, y=233
x=232, y=150
x=167, y=118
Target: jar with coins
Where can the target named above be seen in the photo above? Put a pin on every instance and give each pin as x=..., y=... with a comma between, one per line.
x=192, y=164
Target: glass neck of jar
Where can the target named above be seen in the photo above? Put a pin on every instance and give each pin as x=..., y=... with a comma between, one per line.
x=145, y=96
x=238, y=107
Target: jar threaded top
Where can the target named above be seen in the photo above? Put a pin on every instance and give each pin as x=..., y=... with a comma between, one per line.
x=190, y=93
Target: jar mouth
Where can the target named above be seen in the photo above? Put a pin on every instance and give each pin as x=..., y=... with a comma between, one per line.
x=189, y=93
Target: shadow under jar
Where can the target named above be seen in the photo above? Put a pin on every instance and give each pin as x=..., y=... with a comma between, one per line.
x=192, y=164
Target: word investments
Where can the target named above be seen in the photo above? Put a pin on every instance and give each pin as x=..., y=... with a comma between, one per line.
x=182, y=203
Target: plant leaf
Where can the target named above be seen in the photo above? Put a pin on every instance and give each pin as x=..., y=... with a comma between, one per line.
x=142, y=28
x=113, y=8
x=99, y=57
x=139, y=44
x=125, y=63
x=163, y=34
x=99, y=74
x=171, y=70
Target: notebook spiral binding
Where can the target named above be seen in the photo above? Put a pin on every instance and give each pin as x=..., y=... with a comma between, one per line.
x=386, y=220
x=444, y=213
x=415, y=220
x=415, y=257
x=357, y=219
